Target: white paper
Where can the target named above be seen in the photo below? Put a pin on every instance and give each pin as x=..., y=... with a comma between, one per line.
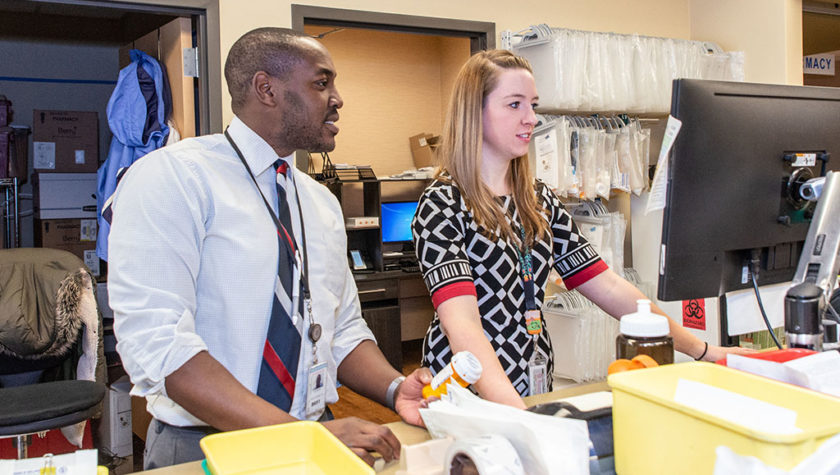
x=92, y=261
x=87, y=230
x=659, y=188
x=43, y=155
x=821, y=371
x=768, y=369
x=748, y=412
x=743, y=314
x=545, y=144
x=545, y=444
x=81, y=462
x=80, y=157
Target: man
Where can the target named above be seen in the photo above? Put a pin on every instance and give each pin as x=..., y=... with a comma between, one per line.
x=209, y=258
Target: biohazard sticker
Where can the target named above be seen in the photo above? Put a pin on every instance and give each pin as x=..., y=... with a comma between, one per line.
x=694, y=314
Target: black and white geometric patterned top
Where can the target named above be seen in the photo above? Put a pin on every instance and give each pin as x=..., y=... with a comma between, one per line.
x=456, y=259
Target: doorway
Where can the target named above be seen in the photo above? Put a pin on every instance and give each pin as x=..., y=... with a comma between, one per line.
x=395, y=74
x=66, y=55
x=820, y=37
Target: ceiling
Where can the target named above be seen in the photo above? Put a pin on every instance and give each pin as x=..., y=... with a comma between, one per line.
x=80, y=21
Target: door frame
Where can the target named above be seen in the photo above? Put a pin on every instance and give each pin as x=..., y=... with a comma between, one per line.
x=482, y=34
x=205, y=24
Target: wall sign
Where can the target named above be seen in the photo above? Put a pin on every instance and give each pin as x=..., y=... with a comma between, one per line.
x=822, y=64
x=694, y=314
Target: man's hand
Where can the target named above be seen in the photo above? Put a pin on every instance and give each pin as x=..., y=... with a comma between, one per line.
x=409, y=397
x=363, y=436
x=719, y=352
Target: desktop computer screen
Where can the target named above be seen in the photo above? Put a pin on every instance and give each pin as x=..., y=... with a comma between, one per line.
x=396, y=221
x=733, y=178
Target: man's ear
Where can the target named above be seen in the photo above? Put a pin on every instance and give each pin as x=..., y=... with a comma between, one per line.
x=264, y=88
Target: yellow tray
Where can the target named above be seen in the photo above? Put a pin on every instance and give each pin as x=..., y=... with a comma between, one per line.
x=303, y=447
x=654, y=435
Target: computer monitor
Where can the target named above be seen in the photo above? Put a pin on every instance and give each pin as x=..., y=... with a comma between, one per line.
x=396, y=221
x=733, y=177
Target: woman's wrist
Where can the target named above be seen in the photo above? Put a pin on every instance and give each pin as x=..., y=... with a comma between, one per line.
x=705, y=351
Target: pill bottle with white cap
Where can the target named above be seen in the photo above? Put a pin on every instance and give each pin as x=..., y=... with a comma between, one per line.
x=464, y=369
x=645, y=333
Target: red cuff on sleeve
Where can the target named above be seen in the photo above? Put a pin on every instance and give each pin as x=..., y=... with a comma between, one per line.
x=454, y=289
x=585, y=274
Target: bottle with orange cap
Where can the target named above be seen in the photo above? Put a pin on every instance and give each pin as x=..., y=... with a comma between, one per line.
x=464, y=369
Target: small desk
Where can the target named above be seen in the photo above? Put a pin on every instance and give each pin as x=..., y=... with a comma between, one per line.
x=408, y=434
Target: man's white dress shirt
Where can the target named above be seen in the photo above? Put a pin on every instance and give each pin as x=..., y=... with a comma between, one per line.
x=193, y=258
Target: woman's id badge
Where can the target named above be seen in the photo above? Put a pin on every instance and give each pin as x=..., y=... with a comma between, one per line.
x=538, y=373
x=316, y=390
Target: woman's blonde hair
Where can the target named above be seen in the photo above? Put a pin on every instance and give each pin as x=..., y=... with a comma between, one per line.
x=460, y=150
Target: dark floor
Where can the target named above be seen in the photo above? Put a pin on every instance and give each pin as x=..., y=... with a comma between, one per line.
x=349, y=403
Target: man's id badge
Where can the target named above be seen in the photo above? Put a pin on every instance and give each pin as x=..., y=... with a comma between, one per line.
x=316, y=389
x=538, y=373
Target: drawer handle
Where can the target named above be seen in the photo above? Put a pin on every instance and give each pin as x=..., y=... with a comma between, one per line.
x=372, y=291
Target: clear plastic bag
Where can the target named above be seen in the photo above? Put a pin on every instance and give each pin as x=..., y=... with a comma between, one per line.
x=583, y=70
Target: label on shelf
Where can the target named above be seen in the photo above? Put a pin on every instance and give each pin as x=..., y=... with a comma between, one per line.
x=359, y=222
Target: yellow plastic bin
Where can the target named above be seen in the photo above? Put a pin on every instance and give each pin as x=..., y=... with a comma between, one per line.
x=297, y=447
x=654, y=435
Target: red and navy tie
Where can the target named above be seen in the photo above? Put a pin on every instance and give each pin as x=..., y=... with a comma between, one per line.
x=282, y=344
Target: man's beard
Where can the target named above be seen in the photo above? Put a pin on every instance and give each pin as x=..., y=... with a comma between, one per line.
x=300, y=131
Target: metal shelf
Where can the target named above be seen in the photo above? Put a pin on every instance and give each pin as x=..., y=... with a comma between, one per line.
x=11, y=212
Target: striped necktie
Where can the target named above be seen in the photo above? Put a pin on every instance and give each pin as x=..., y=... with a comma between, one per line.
x=282, y=344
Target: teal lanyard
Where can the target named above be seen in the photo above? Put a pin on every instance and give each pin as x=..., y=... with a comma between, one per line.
x=526, y=264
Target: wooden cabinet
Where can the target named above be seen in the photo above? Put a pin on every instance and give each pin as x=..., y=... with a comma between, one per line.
x=379, y=297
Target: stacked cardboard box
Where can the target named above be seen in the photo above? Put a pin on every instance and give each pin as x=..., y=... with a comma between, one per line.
x=65, y=141
x=65, y=159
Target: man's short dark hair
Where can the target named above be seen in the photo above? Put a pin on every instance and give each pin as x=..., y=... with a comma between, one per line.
x=273, y=50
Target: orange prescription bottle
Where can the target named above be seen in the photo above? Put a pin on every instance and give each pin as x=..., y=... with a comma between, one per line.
x=463, y=369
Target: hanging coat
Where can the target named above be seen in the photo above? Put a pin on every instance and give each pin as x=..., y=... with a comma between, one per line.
x=137, y=113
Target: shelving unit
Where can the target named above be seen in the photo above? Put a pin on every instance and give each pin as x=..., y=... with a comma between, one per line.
x=395, y=304
x=11, y=213
x=366, y=239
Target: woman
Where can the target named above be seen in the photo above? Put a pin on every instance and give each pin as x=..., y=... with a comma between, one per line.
x=484, y=223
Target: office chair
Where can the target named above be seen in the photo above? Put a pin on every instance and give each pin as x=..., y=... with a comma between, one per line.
x=50, y=347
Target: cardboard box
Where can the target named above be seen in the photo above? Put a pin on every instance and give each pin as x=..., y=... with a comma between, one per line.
x=422, y=149
x=65, y=195
x=77, y=236
x=65, y=141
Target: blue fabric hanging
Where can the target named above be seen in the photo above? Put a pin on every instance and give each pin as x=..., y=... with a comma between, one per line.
x=137, y=113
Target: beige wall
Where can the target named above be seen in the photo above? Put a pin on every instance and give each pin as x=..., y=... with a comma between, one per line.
x=453, y=54
x=651, y=17
x=768, y=31
x=392, y=86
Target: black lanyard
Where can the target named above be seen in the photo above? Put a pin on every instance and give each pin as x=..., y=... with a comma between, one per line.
x=304, y=273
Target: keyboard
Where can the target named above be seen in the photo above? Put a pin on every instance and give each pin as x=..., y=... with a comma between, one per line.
x=408, y=265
